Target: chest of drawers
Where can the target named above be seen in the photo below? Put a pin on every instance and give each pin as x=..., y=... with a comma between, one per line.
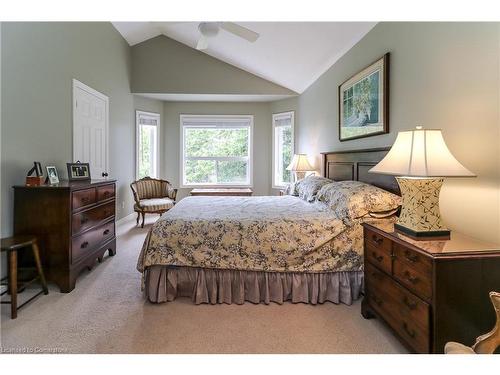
x=429, y=292
x=74, y=222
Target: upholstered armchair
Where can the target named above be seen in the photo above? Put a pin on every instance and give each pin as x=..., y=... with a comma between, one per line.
x=485, y=344
x=152, y=196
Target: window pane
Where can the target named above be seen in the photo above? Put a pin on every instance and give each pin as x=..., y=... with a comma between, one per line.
x=286, y=153
x=283, y=154
x=200, y=171
x=216, y=142
x=147, y=151
x=232, y=172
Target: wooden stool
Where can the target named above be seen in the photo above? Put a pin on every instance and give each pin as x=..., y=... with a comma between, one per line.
x=11, y=245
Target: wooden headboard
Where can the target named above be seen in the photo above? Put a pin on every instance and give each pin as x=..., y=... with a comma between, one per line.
x=354, y=165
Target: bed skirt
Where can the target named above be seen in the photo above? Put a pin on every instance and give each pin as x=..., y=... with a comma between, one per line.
x=203, y=285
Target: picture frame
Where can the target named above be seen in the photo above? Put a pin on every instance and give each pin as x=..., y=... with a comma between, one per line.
x=78, y=171
x=52, y=176
x=363, y=102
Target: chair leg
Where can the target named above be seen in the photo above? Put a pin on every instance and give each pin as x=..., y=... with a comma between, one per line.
x=143, y=215
x=138, y=216
x=13, y=283
x=36, y=255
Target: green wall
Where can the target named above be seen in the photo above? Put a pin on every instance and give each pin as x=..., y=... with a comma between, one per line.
x=39, y=61
x=163, y=65
x=443, y=75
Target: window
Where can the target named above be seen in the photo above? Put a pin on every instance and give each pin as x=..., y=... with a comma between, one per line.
x=148, y=150
x=283, y=144
x=216, y=150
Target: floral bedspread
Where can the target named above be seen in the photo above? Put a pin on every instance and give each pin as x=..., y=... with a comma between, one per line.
x=281, y=234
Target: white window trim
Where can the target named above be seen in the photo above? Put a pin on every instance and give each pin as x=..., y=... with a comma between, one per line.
x=277, y=116
x=157, y=116
x=196, y=118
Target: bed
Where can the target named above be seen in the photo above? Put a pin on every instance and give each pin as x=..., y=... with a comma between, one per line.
x=262, y=249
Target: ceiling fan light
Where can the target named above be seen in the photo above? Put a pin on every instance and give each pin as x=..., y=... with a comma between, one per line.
x=208, y=29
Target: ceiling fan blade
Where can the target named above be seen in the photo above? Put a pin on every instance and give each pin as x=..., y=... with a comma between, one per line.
x=202, y=43
x=240, y=31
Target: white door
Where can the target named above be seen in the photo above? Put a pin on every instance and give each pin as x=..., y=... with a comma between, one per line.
x=90, y=129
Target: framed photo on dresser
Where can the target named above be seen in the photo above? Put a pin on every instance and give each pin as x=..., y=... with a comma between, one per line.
x=78, y=171
x=364, y=102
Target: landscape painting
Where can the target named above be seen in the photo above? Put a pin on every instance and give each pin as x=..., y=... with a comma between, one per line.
x=364, y=102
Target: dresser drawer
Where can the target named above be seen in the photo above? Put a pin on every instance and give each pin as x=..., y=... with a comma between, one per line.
x=413, y=259
x=396, y=316
x=91, y=240
x=407, y=303
x=416, y=281
x=379, y=257
x=82, y=198
x=105, y=192
x=377, y=241
x=93, y=216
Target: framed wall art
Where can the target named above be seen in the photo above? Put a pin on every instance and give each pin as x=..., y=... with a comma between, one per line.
x=364, y=102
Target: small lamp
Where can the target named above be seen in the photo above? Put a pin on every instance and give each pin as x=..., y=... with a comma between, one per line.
x=421, y=158
x=300, y=165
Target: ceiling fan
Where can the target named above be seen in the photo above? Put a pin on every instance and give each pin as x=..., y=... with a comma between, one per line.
x=211, y=29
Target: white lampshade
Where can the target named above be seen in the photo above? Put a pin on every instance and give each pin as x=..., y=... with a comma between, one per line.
x=421, y=153
x=300, y=164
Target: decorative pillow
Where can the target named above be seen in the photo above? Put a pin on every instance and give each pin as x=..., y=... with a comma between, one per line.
x=291, y=189
x=308, y=187
x=355, y=199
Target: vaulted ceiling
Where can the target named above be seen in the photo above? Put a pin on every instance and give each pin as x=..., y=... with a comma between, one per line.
x=290, y=54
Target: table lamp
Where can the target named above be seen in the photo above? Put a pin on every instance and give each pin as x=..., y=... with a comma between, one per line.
x=300, y=165
x=421, y=159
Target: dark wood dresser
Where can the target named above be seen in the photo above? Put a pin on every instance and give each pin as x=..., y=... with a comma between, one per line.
x=429, y=292
x=74, y=222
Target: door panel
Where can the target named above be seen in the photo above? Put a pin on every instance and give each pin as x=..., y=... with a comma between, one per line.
x=90, y=117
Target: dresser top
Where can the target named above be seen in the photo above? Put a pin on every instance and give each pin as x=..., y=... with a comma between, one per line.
x=458, y=244
x=64, y=184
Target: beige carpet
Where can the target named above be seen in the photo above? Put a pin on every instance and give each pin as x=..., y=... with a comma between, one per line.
x=106, y=313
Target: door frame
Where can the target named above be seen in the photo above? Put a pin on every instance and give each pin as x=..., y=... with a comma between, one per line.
x=82, y=86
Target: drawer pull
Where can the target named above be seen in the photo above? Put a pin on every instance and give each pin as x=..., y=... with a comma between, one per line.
x=84, y=245
x=411, y=305
x=107, y=213
x=410, y=278
x=378, y=258
x=105, y=232
x=411, y=332
x=376, y=275
x=411, y=257
x=377, y=240
x=106, y=193
x=83, y=220
x=84, y=199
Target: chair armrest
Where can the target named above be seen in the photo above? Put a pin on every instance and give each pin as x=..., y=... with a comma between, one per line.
x=174, y=195
x=134, y=192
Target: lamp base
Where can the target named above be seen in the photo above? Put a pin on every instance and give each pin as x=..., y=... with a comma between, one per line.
x=420, y=218
x=299, y=176
x=423, y=236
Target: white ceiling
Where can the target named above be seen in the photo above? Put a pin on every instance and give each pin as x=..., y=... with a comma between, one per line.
x=291, y=54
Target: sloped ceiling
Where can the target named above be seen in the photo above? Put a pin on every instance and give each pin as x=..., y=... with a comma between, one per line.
x=290, y=54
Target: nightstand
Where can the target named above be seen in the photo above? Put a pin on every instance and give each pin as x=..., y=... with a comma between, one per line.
x=429, y=292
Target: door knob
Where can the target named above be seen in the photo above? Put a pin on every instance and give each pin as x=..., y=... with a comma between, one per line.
x=104, y=174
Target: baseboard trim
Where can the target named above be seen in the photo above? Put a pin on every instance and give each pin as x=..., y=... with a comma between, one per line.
x=126, y=218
